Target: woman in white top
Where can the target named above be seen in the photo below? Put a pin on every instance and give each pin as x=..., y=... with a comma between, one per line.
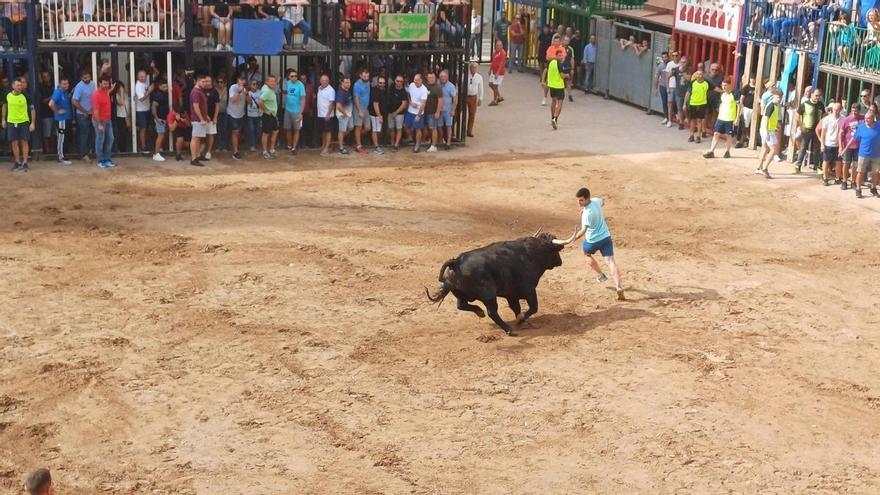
x=121, y=118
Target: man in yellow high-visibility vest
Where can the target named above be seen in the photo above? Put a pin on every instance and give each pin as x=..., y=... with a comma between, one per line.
x=770, y=133
x=728, y=113
x=553, y=78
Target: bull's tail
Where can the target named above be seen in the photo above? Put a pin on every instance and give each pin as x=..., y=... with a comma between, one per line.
x=445, y=288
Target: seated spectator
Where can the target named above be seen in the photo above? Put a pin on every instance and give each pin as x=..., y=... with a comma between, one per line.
x=846, y=39
x=293, y=15
x=247, y=9
x=430, y=8
x=358, y=18
x=221, y=21
x=268, y=10
x=447, y=25
x=53, y=13
x=401, y=7
x=14, y=22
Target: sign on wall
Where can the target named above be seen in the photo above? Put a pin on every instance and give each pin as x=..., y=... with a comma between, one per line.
x=404, y=27
x=717, y=19
x=111, y=32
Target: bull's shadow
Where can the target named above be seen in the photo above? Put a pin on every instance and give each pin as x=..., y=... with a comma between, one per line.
x=542, y=325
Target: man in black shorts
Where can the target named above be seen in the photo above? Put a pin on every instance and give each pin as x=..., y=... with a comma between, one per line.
x=568, y=64
x=553, y=78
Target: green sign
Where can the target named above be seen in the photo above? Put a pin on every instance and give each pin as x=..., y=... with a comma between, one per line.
x=404, y=27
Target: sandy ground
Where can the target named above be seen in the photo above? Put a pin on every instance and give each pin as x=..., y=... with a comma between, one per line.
x=261, y=328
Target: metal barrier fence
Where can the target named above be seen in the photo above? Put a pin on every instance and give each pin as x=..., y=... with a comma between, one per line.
x=788, y=24
x=111, y=20
x=851, y=48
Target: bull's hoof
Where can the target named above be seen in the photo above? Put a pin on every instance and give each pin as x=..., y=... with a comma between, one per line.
x=510, y=333
x=480, y=313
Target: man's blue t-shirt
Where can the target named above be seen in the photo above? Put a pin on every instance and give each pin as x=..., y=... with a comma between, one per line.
x=362, y=92
x=869, y=144
x=83, y=93
x=63, y=110
x=593, y=218
x=449, y=93
x=295, y=91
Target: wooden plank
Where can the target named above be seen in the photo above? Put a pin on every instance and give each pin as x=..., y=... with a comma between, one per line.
x=759, y=90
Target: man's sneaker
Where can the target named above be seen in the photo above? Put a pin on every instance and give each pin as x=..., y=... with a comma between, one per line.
x=293, y=151
x=219, y=47
x=544, y=101
x=698, y=140
x=620, y=295
x=236, y=156
x=759, y=171
x=602, y=278
x=273, y=153
x=196, y=163
x=16, y=167
x=554, y=124
x=178, y=158
x=873, y=189
x=664, y=121
x=777, y=158
x=145, y=152
x=25, y=168
x=289, y=148
x=767, y=174
x=158, y=158
x=843, y=185
x=395, y=148
x=726, y=154
x=668, y=125
x=431, y=149
x=110, y=163
x=64, y=162
x=325, y=153
x=207, y=156
x=837, y=181
x=103, y=164
x=826, y=182
x=858, y=192
x=266, y=155
x=708, y=154
x=343, y=151
x=680, y=127
x=691, y=138
x=378, y=151
x=417, y=148
x=360, y=149
x=570, y=98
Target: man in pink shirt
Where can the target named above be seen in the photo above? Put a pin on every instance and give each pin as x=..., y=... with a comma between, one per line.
x=848, y=125
x=102, y=120
x=497, y=72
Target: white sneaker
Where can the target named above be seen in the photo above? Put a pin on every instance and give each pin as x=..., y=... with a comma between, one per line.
x=208, y=155
x=777, y=158
x=229, y=47
x=219, y=47
x=759, y=171
x=544, y=101
x=432, y=149
x=664, y=121
x=668, y=125
x=158, y=158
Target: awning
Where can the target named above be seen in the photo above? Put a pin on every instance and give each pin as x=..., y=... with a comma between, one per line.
x=651, y=16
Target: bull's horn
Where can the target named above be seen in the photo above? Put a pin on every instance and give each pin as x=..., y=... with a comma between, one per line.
x=537, y=232
x=560, y=242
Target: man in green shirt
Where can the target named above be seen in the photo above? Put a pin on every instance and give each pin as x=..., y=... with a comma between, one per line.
x=19, y=116
x=553, y=78
x=268, y=102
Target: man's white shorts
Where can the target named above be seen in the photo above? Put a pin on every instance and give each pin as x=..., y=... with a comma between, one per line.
x=496, y=80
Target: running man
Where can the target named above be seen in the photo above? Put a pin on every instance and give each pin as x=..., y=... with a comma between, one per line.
x=769, y=133
x=828, y=131
x=728, y=113
x=597, y=238
x=554, y=79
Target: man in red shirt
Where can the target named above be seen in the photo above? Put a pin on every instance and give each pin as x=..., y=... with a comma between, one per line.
x=358, y=17
x=198, y=111
x=102, y=119
x=517, y=41
x=498, y=70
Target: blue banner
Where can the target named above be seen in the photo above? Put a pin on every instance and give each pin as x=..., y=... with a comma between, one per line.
x=250, y=37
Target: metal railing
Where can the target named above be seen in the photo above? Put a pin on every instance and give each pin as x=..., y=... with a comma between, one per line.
x=449, y=25
x=109, y=21
x=596, y=6
x=851, y=48
x=788, y=25
x=14, y=23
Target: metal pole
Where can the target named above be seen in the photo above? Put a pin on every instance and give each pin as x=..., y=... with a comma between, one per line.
x=168, y=73
x=133, y=111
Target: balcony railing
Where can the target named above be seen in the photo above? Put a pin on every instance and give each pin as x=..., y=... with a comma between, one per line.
x=851, y=48
x=786, y=24
x=366, y=25
x=111, y=21
x=13, y=21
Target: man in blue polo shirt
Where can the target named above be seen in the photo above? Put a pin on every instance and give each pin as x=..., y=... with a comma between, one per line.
x=361, y=95
x=450, y=103
x=294, y=97
x=82, y=101
x=868, y=134
x=63, y=112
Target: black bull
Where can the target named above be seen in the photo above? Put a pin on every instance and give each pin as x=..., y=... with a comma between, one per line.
x=508, y=269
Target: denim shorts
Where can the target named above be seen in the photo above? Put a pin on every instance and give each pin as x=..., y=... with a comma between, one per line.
x=604, y=246
x=446, y=118
x=19, y=132
x=161, y=126
x=235, y=124
x=345, y=123
x=410, y=121
x=434, y=122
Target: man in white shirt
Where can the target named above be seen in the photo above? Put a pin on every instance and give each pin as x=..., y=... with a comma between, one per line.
x=142, y=91
x=326, y=112
x=476, y=29
x=474, y=96
x=415, y=118
x=235, y=109
x=671, y=84
x=828, y=131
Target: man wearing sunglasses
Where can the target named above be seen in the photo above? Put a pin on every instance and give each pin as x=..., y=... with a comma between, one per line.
x=294, y=98
x=397, y=105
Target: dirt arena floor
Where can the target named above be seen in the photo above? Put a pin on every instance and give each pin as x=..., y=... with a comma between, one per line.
x=261, y=328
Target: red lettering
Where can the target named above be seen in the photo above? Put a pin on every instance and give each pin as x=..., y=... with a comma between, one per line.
x=80, y=32
x=102, y=30
x=141, y=32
